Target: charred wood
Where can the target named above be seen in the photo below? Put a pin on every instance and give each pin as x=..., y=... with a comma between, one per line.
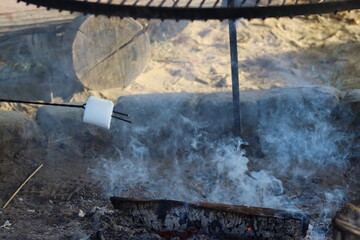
x=171, y=218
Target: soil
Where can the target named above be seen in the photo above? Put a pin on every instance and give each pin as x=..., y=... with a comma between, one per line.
x=63, y=201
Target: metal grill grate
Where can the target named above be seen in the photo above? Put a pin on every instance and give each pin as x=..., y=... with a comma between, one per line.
x=200, y=9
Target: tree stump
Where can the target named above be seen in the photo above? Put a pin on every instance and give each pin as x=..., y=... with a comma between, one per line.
x=109, y=52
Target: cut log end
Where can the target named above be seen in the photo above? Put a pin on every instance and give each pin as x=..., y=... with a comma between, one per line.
x=109, y=53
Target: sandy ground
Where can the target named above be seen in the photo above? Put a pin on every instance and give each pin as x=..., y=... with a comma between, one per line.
x=272, y=53
x=315, y=50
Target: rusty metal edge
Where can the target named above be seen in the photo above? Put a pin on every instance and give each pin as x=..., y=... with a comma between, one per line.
x=192, y=13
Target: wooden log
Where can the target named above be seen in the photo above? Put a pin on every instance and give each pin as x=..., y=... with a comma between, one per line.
x=19, y=18
x=346, y=224
x=109, y=52
x=174, y=218
x=63, y=57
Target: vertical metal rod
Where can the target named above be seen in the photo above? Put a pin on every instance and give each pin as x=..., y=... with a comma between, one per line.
x=235, y=77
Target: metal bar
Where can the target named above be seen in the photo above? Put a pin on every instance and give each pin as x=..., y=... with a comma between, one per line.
x=162, y=3
x=216, y=3
x=43, y=103
x=120, y=113
x=63, y=105
x=235, y=78
x=149, y=3
x=188, y=3
x=175, y=3
x=118, y=118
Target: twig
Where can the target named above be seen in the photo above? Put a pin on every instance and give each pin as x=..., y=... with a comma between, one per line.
x=22, y=185
x=59, y=140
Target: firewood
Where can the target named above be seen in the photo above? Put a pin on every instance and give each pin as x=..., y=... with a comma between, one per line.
x=346, y=224
x=171, y=218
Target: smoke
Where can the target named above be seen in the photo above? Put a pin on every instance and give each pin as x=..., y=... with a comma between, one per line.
x=304, y=130
x=177, y=150
x=208, y=173
x=304, y=134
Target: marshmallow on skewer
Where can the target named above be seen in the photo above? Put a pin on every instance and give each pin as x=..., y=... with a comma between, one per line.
x=98, y=112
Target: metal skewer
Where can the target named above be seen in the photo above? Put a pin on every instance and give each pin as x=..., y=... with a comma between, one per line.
x=124, y=114
x=43, y=103
x=63, y=105
x=120, y=119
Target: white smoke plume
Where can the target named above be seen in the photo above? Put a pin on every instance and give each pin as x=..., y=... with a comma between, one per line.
x=173, y=153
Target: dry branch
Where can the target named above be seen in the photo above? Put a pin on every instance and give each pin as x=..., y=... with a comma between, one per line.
x=22, y=185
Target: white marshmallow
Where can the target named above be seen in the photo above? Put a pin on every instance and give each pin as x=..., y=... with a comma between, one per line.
x=98, y=112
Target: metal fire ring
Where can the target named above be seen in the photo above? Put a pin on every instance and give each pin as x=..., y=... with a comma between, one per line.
x=199, y=9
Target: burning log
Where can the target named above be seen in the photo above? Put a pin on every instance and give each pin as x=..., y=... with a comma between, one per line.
x=171, y=218
x=347, y=223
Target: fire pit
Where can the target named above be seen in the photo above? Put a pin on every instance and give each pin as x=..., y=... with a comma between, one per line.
x=203, y=177
x=297, y=152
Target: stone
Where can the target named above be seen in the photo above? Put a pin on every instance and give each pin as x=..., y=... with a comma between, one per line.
x=216, y=109
x=179, y=119
x=352, y=101
x=169, y=124
x=17, y=128
x=352, y=98
x=168, y=117
x=289, y=116
x=278, y=98
x=159, y=121
x=60, y=124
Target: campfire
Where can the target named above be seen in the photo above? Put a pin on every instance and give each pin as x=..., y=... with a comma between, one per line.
x=173, y=218
x=172, y=167
x=189, y=177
